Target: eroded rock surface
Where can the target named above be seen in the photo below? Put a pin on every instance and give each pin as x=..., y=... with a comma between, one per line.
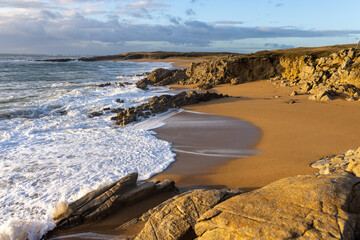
x=100, y=203
x=162, y=77
x=176, y=218
x=325, y=77
x=302, y=207
x=346, y=163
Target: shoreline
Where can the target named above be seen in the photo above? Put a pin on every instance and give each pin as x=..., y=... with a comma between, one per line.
x=294, y=135
x=275, y=117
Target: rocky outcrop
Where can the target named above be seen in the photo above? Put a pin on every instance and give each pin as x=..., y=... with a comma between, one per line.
x=304, y=207
x=176, y=218
x=346, y=163
x=323, y=76
x=162, y=77
x=102, y=202
x=232, y=69
x=160, y=104
x=326, y=77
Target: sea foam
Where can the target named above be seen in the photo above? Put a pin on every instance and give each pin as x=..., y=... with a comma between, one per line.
x=54, y=153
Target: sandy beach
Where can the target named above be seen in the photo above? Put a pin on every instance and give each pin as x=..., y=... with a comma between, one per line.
x=293, y=135
x=288, y=137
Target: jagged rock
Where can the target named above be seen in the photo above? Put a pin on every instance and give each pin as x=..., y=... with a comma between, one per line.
x=304, y=207
x=339, y=70
x=346, y=163
x=235, y=81
x=160, y=104
x=102, y=202
x=162, y=77
x=233, y=70
x=176, y=218
x=95, y=114
x=326, y=97
x=294, y=93
x=104, y=84
x=205, y=86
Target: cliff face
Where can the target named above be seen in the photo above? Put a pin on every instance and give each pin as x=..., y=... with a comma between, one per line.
x=322, y=73
x=233, y=70
x=337, y=67
x=335, y=75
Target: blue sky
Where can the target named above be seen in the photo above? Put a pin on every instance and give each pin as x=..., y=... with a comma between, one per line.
x=97, y=27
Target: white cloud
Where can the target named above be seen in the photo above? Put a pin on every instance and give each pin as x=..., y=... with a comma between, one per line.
x=92, y=23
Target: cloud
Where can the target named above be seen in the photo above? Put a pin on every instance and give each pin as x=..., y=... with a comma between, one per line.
x=279, y=5
x=21, y=4
x=59, y=30
x=227, y=22
x=141, y=9
x=190, y=12
x=278, y=46
x=174, y=20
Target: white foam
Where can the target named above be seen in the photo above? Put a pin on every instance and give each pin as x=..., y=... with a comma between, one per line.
x=58, y=158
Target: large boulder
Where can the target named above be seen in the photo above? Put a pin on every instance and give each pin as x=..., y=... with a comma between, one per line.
x=304, y=207
x=176, y=218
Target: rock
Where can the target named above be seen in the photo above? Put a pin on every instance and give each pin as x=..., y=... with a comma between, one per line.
x=326, y=98
x=346, y=64
x=104, y=84
x=351, y=53
x=160, y=104
x=162, y=77
x=306, y=87
x=235, y=81
x=176, y=218
x=304, y=207
x=292, y=102
x=205, y=86
x=346, y=163
x=95, y=114
x=312, y=97
x=294, y=93
x=102, y=202
x=232, y=69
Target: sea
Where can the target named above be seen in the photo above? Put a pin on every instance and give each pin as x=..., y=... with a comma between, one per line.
x=52, y=152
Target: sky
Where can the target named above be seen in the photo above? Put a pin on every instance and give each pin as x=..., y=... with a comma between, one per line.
x=101, y=27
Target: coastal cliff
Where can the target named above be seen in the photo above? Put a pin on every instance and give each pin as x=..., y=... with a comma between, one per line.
x=323, y=73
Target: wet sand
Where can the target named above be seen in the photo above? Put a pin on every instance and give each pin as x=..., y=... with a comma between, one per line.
x=203, y=141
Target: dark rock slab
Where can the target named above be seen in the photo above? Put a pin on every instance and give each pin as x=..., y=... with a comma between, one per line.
x=160, y=104
x=102, y=202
